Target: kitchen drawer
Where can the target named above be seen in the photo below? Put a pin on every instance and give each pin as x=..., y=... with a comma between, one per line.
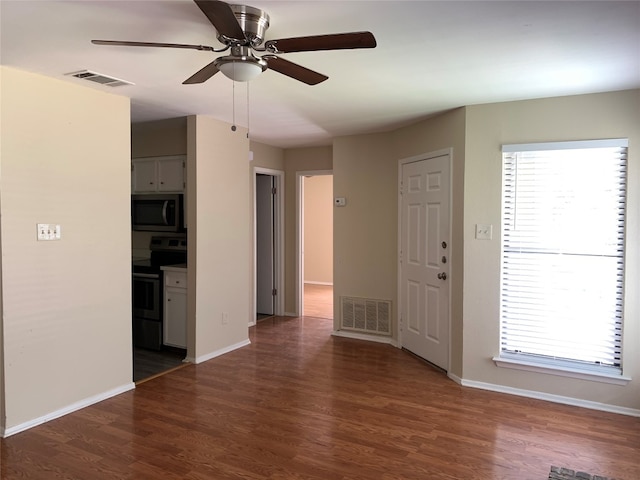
x=175, y=279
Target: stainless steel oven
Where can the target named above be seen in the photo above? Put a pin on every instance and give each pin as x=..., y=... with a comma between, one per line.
x=147, y=310
x=148, y=287
x=146, y=295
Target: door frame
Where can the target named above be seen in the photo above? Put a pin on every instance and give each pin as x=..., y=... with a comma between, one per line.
x=278, y=241
x=401, y=163
x=300, y=176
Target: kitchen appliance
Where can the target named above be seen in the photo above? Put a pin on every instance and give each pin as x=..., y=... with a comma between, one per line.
x=157, y=212
x=148, y=288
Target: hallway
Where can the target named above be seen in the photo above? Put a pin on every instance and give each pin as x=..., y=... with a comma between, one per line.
x=318, y=300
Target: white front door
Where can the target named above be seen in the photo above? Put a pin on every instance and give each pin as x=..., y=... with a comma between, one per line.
x=425, y=259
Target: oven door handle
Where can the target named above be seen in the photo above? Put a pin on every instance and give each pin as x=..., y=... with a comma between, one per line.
x=164, y=212
x=146, y=275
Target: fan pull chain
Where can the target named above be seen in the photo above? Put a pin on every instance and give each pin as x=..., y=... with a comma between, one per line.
x=248, y=109
x=233, y=102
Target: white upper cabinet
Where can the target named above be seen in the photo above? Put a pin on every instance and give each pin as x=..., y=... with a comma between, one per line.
x=158, y=174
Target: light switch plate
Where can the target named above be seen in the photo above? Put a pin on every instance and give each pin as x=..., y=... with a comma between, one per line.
x=48, y=231
x=483, y=231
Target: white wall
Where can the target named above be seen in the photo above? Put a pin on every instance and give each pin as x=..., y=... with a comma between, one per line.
x=365, y=232
x=158, y=138
x=607, y=115
x=318, y=229
x=272, y=158
x=66, y=305
x=220, y=248
x=297, y=160
x=266, y=156
x=2, y=358
x=445, y=131
x=365, y=172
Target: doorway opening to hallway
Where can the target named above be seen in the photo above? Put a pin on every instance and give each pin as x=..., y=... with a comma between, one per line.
x=315, y=244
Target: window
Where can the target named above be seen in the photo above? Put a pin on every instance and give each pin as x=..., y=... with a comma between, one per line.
x=562, y=272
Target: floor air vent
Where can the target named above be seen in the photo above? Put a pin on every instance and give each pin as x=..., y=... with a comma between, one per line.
x=99, y=78
x=366, y=315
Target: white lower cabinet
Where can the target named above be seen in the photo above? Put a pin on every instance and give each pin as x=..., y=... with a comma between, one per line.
x=175, y=308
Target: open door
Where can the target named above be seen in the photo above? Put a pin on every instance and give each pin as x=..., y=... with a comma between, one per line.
x=315, y=243
x=268, y=260
x=265, y=245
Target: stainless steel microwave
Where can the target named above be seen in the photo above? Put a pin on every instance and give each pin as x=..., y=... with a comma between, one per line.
x=157, y=213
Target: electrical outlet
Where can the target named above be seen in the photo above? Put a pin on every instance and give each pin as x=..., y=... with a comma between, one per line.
x=484, y=232
x=340, y=201
x=225, y=318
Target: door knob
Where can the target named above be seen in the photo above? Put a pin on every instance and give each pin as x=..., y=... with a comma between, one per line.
x=442, y=276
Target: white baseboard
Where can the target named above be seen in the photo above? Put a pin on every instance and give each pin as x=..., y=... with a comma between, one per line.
x=68, y=409
x=291, y=314
x=364, y=336
x=455, y=378
x=217, y=353
x=576, y=402
x=313, y=282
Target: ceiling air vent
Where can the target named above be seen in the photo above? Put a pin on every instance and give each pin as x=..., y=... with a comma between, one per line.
x=99, y=78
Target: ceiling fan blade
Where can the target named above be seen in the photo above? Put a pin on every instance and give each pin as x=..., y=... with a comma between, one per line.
x=222, y=18
x=203, y=74
x=294, y=70
x=152, y=44
x=337, y=41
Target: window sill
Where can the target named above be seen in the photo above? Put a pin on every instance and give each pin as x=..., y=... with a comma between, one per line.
x=563, y=371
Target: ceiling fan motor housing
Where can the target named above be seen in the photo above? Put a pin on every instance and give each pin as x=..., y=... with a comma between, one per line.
x=254, y=23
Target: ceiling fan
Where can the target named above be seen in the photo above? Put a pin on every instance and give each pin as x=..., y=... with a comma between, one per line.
x=241, y=29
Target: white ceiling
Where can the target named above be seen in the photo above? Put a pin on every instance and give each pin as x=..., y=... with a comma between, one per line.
x=431, y=57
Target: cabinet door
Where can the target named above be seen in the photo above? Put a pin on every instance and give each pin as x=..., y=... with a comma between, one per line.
x=144, y=176
x=175, y=317
x=170, y=175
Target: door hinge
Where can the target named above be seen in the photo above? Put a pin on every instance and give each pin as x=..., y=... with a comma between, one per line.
x=273, y=191
x=401, y=188
x=274, y=292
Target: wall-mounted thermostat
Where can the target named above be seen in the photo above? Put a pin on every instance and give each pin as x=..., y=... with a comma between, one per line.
x=340, y=201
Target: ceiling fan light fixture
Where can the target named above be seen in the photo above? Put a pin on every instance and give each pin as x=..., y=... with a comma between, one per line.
x=241, y=70
x=241, y=65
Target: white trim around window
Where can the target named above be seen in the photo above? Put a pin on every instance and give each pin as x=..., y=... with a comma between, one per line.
x=562, y=258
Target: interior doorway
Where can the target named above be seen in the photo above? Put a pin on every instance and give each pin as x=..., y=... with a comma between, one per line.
x=315, y=244
x=268, y=243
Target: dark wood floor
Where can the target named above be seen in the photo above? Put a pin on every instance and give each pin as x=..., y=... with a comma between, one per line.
x=300, y=404
x=150, y=363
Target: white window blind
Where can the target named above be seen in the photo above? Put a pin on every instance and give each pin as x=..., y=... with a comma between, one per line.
x=563, y=253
